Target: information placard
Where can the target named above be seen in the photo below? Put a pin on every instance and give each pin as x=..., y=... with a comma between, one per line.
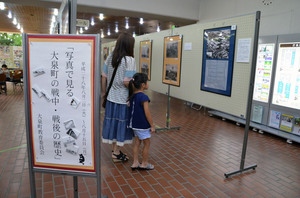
x=61, y=95
x=287, y=79
x=263, y=74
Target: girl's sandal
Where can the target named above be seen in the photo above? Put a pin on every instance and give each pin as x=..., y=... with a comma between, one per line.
x=120, y=158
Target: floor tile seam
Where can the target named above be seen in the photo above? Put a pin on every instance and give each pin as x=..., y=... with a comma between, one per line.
x=88, y=190
x=65, y=187
x=21, y=179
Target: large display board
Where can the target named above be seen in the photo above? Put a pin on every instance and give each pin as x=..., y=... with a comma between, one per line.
x=263, y=74
x=217, y=65
x=286, y=91
x=61, y=81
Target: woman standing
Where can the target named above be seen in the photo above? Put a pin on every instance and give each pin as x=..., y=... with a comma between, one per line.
x=115, y=129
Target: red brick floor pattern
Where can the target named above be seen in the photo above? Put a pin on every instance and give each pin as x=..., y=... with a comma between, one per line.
x=190, y=162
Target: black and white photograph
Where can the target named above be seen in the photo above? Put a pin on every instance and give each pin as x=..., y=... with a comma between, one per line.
x=145, y=51
x=172, y=49
x=171, y=72
x=145, y=68
x=218, y=43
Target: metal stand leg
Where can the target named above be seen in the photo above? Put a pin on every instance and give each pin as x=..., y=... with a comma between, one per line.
x=250, y=96
x=75, y=185
x=168, y=116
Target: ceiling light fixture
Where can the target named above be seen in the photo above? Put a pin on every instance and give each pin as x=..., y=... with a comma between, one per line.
x=133, y=34
x=108, y=32
x=86, y=28
x=55, y=11
x=101, y=16
x=53, y=18
x=141, y=21
x=158, y=28
x=81, y=31
x=92, y=21
x=9, y=14
x=2, y=6
x=15, y=21
x=126, y=21
x=18, y=26
x=22, y=30
x=117, y=29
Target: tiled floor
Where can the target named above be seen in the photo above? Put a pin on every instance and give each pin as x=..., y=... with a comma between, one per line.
x=190, y=162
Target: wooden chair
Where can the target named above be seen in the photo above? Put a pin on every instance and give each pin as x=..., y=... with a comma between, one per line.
x=3, y=83
x=17, y=78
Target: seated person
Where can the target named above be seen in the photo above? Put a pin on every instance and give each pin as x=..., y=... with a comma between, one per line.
x=4, y=70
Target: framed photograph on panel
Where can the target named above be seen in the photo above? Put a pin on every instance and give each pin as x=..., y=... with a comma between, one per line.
x=218, y=57
x=145, y=57
x=105, y=53
x=172, y=60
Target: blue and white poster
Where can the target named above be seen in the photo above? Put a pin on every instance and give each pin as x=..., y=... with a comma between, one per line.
x=217, y=66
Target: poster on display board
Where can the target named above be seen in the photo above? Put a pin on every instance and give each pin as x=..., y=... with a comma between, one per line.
x=274, y=120
x=296, y=129
x=286, y=123
x=218, y=57
x=172, y=60
x=286, y=91
x=61, y=79
x=145, y=57
x=257, y=113
x=264, y=64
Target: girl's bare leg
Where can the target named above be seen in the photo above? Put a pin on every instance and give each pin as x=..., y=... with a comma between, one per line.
x=136, y=146
x=145, y=152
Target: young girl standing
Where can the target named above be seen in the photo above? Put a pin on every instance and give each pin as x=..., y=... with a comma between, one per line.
x=140, y=120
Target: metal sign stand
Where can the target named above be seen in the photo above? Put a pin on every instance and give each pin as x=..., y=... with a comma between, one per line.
x=168, y=108
x=250, y=96
x=168, y=115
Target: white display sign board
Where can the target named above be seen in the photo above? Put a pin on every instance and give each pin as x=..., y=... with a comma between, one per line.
x=243, y=51
x=61, y=92
x=263, y=74
x=287, y=79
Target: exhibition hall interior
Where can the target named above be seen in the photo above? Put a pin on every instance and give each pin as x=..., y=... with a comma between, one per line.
x=224, y=91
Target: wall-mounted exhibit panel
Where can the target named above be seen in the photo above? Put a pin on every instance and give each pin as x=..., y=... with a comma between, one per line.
x=191, y=65
x=217, y=65
x=106, y=49
x=263, y=73
x=285, y=102
x=145, y=57
x=286, y=91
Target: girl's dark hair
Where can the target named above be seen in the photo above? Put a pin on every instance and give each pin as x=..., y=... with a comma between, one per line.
x=124, y=47
x=136, y=82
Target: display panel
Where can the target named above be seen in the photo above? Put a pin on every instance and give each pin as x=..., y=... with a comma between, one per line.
x=61, y=99
x=145, y=57
x=105, y=53
x=172, y=60
x=218, y=56
x=263, y=74
x=287, y=77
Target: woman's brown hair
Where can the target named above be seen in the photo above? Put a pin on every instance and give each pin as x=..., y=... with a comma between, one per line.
x=124, y=47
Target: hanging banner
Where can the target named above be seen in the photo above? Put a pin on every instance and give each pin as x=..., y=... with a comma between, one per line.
x=61, y=101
